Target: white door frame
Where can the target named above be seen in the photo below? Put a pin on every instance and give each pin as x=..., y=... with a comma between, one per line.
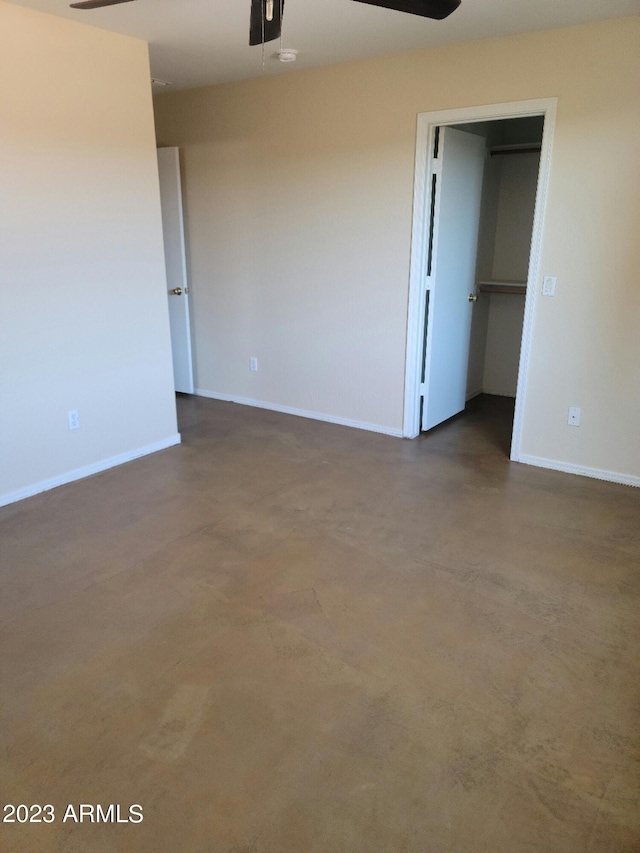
x=427, y=123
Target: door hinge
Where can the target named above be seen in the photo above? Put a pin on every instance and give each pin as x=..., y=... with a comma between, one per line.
x=436, y=166
x=428, y=282
x=423, y=389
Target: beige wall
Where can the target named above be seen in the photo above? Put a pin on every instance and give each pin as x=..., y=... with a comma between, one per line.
x=514, y=216
x=83, y=314
x=299, y=203
x=502, y=345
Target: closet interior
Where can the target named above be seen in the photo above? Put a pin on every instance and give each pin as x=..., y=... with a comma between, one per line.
x=504, y=242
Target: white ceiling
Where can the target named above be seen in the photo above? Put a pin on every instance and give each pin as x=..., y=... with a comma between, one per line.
x=198, y=42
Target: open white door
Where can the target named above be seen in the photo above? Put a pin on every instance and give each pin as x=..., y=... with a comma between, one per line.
x=458, y=170
x=176, y=263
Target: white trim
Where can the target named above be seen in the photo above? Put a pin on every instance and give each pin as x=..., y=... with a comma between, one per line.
x=427, y=122
x=300, y=413
x=87, y=470
x=544, y=170
x=570, y=468
x=418, y=284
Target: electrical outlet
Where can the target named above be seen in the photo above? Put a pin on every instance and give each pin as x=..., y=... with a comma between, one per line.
x=574, y=416
x=74, y=419
x=549, y=285
x=253, y=364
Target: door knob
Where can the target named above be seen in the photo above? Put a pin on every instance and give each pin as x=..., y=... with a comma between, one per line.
x=473, y=297
x=177, y=291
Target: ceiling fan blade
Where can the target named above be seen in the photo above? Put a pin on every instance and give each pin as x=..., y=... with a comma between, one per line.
x=261, y=30
x=96, y=4
x=437, y=9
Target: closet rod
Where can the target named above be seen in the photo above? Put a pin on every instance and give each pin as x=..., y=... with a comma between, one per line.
x=524, y=149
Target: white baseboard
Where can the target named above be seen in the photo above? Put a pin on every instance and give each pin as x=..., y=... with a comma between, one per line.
x=570, y=468
x=498, y=392
x=301, y=413
x=491, y=391
x=87, y=470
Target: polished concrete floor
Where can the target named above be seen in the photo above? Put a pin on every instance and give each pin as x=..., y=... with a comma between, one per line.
x=287, y=636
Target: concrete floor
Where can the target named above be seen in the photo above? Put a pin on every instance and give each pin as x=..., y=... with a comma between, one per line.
x=286, y=636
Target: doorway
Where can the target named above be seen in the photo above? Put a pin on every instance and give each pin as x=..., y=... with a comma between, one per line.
x=477, y=338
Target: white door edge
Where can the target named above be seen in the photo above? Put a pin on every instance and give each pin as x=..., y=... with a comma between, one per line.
x=426, y=125
x=170, y=182
x=446, y=358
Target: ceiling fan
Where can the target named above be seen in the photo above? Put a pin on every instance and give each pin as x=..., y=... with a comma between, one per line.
x=266, y=15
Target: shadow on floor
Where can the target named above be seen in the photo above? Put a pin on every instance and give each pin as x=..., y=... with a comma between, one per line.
x=487, y=417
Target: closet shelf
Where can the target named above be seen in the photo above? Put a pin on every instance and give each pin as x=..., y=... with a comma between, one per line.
x=517, y=287
x=522, y=148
